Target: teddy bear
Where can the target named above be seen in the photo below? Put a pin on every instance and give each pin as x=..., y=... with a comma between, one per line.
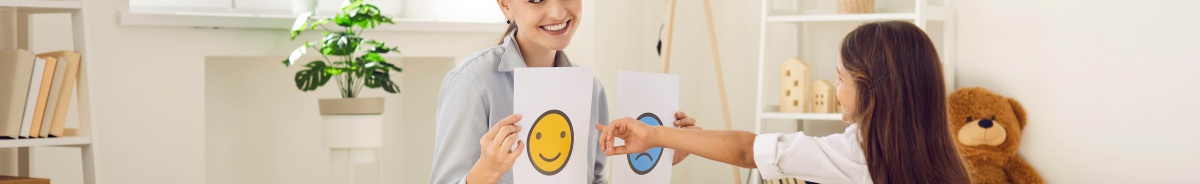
x=986, y=128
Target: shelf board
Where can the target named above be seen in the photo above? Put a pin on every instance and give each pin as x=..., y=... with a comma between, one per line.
x=51, y=5
x=284, y=22
x=58, y=141
x=928, y=12
x=802, y=116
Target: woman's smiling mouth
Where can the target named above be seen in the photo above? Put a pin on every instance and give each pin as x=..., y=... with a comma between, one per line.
x=549, y=159
x=556, y=29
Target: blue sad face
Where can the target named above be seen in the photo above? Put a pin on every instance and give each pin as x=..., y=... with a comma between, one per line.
x=644, y=162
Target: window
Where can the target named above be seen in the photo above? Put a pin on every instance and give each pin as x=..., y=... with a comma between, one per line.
x=442, y=10
x=260, y=7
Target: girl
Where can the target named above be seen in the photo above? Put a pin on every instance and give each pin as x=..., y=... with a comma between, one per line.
x=474, y=127
x=890, y=86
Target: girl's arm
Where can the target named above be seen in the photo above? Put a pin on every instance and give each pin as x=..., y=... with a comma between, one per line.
x=731, y=147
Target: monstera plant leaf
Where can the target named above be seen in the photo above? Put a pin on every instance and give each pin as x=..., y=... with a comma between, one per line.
x=315, y=76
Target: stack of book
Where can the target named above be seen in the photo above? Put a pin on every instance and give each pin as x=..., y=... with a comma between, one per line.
x=35, y=91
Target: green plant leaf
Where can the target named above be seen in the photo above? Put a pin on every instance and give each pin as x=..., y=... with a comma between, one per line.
x=314, y=25
x=296, y=55
x=343, y=20
x=381, y=79
x=372, y=81
x=315, y=76
x=391, y=66
x=378, y=47
x=389, y=86
x=335, y=70
x=298, y=26
x=373, y=57
x=340, y=44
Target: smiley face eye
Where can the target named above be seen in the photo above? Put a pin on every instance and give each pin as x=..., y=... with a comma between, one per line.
x=539, y=135
x=562, y=134
x=970, y=118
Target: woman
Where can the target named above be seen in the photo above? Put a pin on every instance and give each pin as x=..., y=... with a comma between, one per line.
x=890, y=85
x=475, y=120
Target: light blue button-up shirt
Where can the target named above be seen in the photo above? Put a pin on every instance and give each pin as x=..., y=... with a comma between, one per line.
x=476, y=95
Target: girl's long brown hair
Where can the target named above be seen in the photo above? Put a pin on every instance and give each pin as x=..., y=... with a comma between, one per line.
x=901, y=104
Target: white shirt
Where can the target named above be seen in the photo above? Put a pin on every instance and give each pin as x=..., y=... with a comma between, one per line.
x=836, y=158
x=476, y=95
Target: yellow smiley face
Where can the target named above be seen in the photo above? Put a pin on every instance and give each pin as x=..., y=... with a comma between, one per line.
x=549, y=142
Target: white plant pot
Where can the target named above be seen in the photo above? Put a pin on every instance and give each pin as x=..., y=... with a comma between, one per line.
x=353, y=129
x=301, y=6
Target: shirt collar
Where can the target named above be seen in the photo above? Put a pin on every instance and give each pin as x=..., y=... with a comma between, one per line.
x=512, y=55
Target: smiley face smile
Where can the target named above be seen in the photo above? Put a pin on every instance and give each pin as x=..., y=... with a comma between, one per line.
x=550, y=159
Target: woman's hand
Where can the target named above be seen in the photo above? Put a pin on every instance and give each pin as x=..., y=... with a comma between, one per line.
x=495, y=158
x=635, y=133
x=684, y=122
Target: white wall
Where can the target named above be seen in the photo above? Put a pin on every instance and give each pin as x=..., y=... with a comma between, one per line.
x=1110, y=86
x=260, y=129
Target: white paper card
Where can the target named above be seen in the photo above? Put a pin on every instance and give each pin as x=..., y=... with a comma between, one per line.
x=556, y=107
x=652, y=98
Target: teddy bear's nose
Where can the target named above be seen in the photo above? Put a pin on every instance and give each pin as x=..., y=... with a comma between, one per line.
x=985, y=123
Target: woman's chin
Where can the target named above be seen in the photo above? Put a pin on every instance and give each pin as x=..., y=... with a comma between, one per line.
x=558, y=45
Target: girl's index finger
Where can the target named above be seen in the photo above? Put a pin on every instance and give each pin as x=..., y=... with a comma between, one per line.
x=601, y=140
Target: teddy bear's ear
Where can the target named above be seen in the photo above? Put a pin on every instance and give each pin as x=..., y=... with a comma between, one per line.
x=1019, y=111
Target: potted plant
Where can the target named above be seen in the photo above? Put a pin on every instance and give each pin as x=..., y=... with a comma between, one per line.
x=352, y=125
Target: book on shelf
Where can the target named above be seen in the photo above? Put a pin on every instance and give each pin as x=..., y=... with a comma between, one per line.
x=60, y=72
x=31, y=100
x=16, y=67
x=65, y=88
x=39, y=111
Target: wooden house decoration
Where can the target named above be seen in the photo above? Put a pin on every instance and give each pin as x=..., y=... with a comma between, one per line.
x=823, y=100
x=793, y=86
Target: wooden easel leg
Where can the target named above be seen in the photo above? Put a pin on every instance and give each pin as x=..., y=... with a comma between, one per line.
x=666, y=52
x=712, y=38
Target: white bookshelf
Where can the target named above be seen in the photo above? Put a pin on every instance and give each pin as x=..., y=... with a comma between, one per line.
x=923, y=13
x=42, y=4
x=84, y=136
x=60, y=141
x=801, y=116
